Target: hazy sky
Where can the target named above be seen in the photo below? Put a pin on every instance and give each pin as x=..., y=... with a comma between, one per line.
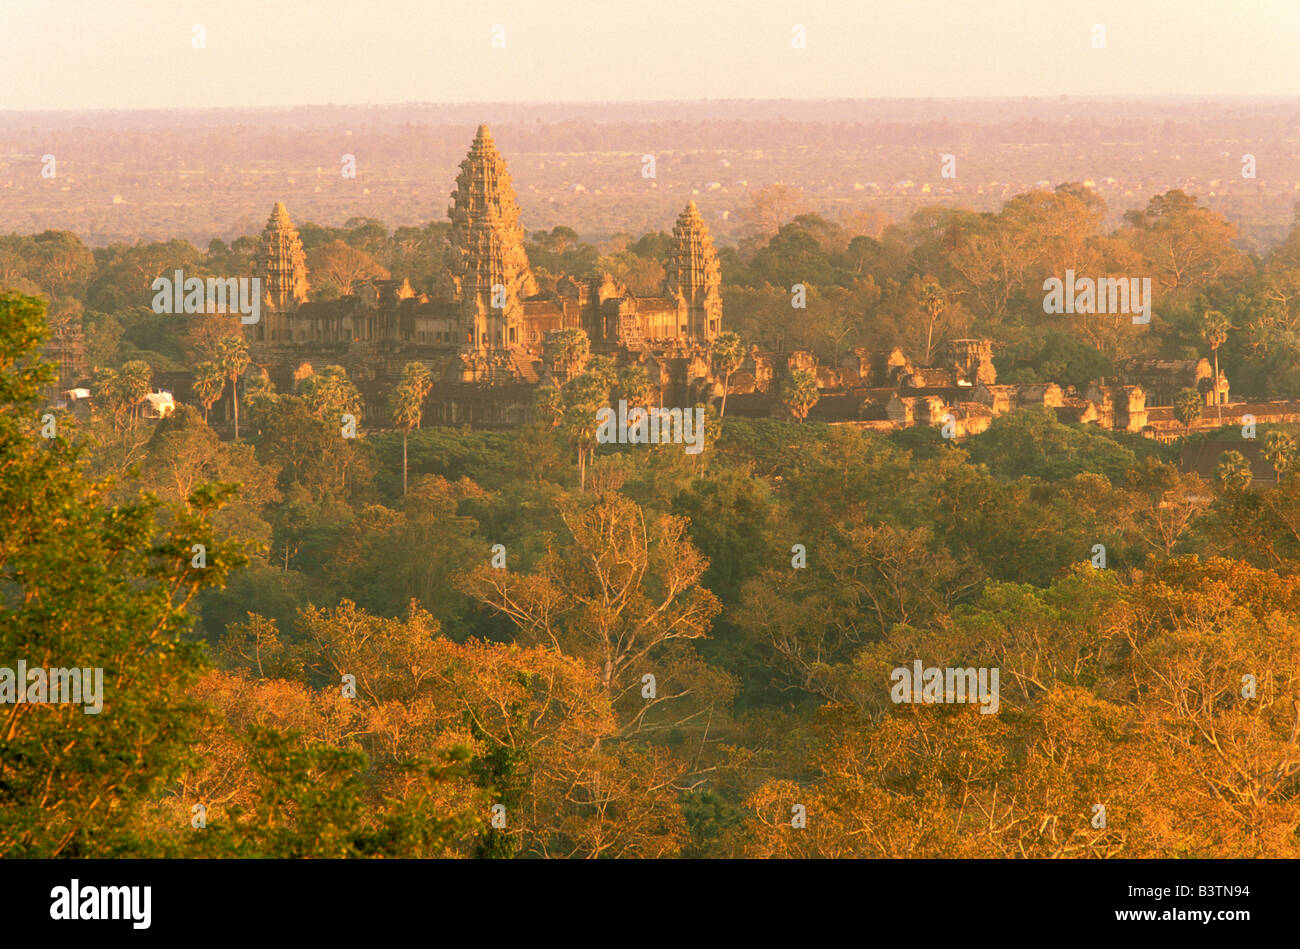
x=69, y=54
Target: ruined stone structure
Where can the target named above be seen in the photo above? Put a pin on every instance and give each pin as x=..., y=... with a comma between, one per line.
x=885, y=391
x=1164, y=378
x=483, y=343
x=482, y=339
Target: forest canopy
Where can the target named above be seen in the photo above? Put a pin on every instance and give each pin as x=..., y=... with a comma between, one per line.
x=439, y=642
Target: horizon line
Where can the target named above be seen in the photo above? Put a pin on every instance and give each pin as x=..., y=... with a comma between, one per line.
x=497, y=103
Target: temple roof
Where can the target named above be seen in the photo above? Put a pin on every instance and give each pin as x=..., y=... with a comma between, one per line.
x=279, y=219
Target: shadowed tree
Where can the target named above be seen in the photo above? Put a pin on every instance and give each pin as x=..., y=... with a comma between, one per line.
x=933, y=303
x=1214, y=330
x=110, y=394
x=209, y=383
x=137, y=380
x=565, y=351
x=1232, y=473
x=408, y=405
x=580, y=399
x=232, y=357
x=331, y=394
x=635, y=386
x=1279, y=451
x=799, y=393
x=1187, y=409
x=726, y=353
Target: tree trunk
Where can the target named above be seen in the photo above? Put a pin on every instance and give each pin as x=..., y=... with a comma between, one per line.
x=404, y=434
x=1218, y=409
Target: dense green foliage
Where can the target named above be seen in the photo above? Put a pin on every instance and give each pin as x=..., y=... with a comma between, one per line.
x=438, y=642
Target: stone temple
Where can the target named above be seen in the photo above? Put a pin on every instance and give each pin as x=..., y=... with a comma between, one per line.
x=482, y=338
x=483, y=341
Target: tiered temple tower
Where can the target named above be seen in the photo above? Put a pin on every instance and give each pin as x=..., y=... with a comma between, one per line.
x=488, y=258
x=695, y=277
x=282, y=266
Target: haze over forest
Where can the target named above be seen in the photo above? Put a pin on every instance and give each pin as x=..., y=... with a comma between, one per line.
x=204, y=174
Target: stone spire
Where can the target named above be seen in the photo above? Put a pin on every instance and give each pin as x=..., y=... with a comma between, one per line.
x=281, y=263
x=694, y=275
x=487, y=240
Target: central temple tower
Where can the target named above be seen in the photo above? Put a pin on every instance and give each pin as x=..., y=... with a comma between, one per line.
x=282, y=265
x=695, y=277
x=488, y=258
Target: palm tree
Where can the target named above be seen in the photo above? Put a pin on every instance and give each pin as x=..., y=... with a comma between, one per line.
x=136, y=379
x=1279, y=451
x=565, y=351
x=330, y=393
x=232, y=357
x=1187, y=409
x=726, y=354
x=209, y=383
x=1214, y=330
x=635, y=386
x=933, y=301
x=420, y=381
x=799, y=393
x=1233, y=472
x=581, y=399
x=408, y=409
x=408, y=404
x=110, y=393
x=548, y=405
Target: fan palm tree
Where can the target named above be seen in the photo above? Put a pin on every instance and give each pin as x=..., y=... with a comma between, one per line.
x=137, y=380
x=209, y=383
x=417, y=377
x=330, y=393
x=726, y=354
x=1214, y=330
x=408, y=410
x=933, y=301
x=233, y=358
x=110, y=394
x=635, y=386
x=1279, y=451
x=580, y=400
x=799, y=393
x=1233, y=472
